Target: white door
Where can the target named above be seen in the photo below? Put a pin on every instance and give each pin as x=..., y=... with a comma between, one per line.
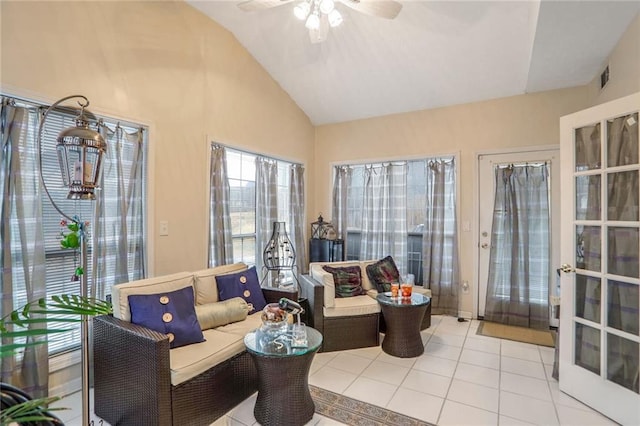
x=487, y=164
x=599, y=321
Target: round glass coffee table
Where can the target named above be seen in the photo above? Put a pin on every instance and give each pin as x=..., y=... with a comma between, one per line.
x=283, y=377
x=403, y=317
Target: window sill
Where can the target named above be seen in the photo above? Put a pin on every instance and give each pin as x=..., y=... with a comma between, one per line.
x=65, y=360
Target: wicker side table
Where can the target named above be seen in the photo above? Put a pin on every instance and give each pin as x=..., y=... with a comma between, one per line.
x=403, y=318
x=283, y=380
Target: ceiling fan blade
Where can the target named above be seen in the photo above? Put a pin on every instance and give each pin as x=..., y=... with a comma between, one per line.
x=320, y=35
x=252, y=5
x=388, y=9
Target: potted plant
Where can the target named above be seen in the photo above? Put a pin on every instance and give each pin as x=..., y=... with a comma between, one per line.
x=56, y=313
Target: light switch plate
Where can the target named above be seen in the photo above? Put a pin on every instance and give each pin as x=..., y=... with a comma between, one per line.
x=164, y=228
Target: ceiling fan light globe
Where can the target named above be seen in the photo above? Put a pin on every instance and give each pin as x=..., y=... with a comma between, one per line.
x=313, y=22
x=335, y=18
x=301, y=11
x=327, y=6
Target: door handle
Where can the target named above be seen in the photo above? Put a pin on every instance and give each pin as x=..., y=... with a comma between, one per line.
x=565, y=267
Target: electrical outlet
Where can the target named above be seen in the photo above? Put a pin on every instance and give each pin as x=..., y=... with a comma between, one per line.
x=465, y=287
x=164, y=228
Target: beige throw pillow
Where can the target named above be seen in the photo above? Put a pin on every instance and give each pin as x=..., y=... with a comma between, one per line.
x=212, y=315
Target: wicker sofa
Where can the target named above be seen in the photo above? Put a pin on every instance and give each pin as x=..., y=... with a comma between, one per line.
x=140, y=380
x=346, y=323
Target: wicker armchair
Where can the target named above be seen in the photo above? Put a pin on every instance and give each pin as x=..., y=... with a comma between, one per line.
x=339, y=332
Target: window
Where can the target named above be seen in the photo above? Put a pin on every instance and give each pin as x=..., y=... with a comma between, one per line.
x=241, y=171
x=416, y=197
x=61, y=263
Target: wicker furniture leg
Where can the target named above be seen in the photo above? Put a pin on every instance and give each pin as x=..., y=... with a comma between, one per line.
x=283, y=390
x=402, y=338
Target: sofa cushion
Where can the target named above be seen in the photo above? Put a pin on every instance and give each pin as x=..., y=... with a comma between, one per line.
x=243, y=284
x=190, y=361
x=347, y=280
x=120, y=292
x=211, y=315
x=241, y=328
x=172, y=313
x=382, y=273
x=205, y=281
x=352, y=306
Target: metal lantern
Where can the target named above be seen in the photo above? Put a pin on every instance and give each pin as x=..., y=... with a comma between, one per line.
x=320, y=228
x=80, y=150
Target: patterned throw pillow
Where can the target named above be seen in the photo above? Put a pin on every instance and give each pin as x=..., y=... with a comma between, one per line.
x=171, y=313
x=383, y=273
x=347, y=280
x=243, y=284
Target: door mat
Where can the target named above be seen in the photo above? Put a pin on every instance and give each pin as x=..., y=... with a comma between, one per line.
x=519, y=334
x=355, y=413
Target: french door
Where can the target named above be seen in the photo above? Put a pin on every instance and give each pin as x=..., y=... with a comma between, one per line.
x=599, y=321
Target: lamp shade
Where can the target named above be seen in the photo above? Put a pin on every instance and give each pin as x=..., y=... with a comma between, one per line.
x=80, y=151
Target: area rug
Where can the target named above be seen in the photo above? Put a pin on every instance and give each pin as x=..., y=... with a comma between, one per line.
x=356, y=413
x=519, y=334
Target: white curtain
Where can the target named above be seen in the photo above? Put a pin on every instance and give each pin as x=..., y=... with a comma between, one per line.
x=440, y=237
x=266, y=205
x=518, y=287
x=220, y=241
x=296, y=215
x=22, y=241
x=384, y=219
x=118, y=240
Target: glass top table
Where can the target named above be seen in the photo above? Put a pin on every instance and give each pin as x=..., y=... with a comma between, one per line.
x=403, y=317
x=261, y=343
x=283, y=376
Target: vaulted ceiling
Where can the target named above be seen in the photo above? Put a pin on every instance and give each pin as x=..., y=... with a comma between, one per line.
x=434, y=54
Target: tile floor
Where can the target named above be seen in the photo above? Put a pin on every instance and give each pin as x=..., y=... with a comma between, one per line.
x=461, y=379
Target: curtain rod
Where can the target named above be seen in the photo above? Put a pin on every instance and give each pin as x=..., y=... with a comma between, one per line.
x=258, y=154
x=69, y=110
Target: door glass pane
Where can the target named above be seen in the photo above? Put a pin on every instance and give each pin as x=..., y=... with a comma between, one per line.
x=588, y=298
x=588, y=197
x=622, y=140
x=587, y=349
x=623, y=306
x=623, y=251
x=623, y=196
x=588, y=148
x=622, y=361
x=588, y=247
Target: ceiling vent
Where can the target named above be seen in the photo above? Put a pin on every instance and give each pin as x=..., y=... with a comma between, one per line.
x=604, y=77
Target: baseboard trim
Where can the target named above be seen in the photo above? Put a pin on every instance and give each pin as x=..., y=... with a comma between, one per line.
x=465, y=314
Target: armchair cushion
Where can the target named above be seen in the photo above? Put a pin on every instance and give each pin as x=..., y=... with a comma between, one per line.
x=347, y=280
x=382, y=273
x=172, y=313
x=242, y=284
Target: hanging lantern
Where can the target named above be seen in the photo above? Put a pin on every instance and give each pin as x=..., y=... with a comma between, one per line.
x=80, y=150
x=320, y=228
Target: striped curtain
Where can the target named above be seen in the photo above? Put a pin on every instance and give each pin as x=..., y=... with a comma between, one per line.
x=118, y=241
x=341, y=183
x=220, y=241
x=266, y=205
x=384, y=219
x=518, y=287
x=440, y=238
x=22, y=253
x=296, y=215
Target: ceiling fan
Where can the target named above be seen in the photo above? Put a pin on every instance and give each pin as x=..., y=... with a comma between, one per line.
x=319, y=15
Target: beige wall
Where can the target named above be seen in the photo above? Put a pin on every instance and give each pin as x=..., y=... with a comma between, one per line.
x=624, y=68
x=507, y=123
x=166, y=65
